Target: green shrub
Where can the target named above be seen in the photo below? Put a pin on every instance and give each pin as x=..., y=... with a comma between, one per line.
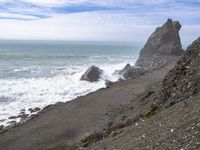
x=91, y=138
x=149, y=112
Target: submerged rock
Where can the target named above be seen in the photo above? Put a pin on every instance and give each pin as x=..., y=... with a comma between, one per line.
x=164, y=42
x=34, y=110
x=183, y=81
x=92, y=74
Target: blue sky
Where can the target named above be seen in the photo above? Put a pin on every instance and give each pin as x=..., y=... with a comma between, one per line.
x=97, y=20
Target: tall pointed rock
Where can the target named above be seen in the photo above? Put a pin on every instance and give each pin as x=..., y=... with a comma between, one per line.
x=164, y=42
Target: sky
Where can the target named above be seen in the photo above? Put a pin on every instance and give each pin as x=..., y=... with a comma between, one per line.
x=95, y=20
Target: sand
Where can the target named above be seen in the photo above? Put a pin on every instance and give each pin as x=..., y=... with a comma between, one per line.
x=64, y=124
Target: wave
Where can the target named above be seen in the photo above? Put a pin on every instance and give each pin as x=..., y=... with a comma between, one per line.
x=64, y=85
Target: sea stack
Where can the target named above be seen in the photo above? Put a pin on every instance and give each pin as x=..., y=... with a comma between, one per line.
x=92, y=74
x=162, y=43
x=183, y=81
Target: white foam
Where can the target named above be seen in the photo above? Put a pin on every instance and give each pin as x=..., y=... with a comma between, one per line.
x=25, y=93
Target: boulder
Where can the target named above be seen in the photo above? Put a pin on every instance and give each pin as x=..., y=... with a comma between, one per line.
x=1, y=127
x=162, y=43
x=109, y=83
x=34, y=110
x=130, y=72
x=12, y=117
x=12, y=124
x=126, y=69
x=92, y=74
x=183, y=81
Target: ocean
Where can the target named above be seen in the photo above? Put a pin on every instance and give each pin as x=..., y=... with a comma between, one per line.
x=36, y=74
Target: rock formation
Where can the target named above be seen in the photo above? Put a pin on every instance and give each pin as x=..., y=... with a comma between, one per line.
x=108, y=83
x=130, y=71
x=164, y=42
x=183, y=81
x=92, y=74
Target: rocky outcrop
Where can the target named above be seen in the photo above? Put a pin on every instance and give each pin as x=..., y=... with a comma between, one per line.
x=130, y=72
x=108, y=83
x=92, y=74
x=164, y=42
x=183, y=81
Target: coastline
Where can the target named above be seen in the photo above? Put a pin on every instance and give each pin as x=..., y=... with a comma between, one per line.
x=67, y=123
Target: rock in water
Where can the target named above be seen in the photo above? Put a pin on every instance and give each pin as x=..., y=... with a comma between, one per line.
x=165, y=41
x=108, y=83
x=183, y=81
x=126, y=69
x=92, y=74
x=130, y=72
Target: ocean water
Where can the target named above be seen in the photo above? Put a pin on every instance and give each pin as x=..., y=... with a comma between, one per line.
x=36, y=74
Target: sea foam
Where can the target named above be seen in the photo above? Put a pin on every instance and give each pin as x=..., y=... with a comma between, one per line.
x=63, y=85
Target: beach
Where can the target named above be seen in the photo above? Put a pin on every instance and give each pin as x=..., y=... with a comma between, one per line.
x=35, y=74
x=65, y=124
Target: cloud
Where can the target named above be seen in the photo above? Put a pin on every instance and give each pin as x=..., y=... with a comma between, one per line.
x=113, y=20
x=44, y=8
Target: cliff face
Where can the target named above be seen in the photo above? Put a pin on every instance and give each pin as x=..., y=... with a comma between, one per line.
x=183, y=81
x=164, y=42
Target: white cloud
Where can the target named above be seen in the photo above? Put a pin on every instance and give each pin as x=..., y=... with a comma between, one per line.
x=53, y=2
x=135, y=23
x=81, y=26
x=87, y=27
x=18, y=16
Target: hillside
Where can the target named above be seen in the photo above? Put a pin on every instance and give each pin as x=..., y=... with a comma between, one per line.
x=172, y=120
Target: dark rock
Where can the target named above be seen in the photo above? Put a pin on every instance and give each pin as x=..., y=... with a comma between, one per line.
x=108, y=83
x=34, y=110
x=12, y=117
x=37, y=109
x=31, y=110
x=1, y=127
x=12, y=123
x=183, y=81
x=23, y=110
x=34, y=115
x=125, y=69
x=22, y=115
x=130, y=72
x=164, y=42
x=135, y=72
x=92, y=74
x=120, y=79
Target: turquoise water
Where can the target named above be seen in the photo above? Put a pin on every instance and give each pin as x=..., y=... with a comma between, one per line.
x=36, y=74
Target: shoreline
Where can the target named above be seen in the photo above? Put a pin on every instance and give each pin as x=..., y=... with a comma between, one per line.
x=58, y=124
x=84, y=121
x=40, y=92
x=24, y=117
